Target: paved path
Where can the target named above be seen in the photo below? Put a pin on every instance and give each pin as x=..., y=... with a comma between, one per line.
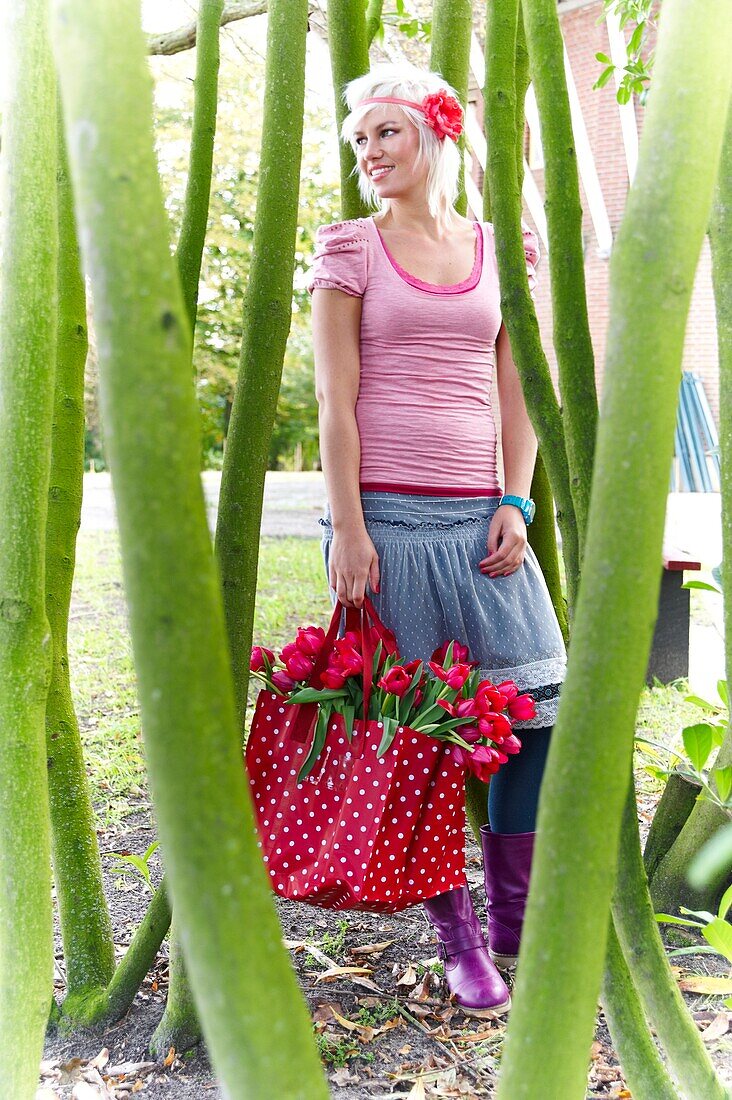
x=292, y=502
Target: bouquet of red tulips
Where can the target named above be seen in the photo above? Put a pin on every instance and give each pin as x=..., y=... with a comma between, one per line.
x=444, y=698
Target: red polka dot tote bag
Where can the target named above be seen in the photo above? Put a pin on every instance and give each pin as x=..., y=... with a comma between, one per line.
x=359, y=812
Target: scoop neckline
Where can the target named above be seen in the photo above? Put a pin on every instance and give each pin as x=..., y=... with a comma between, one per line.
x=437, y=288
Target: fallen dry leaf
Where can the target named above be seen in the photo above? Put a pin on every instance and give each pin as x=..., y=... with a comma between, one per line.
x=130, y=1069
x=479, y=1036
x=367, y=1033
x=417, y=1090
x=424, y=991
x=343, y=1076
x=718, y=1027
x=342, y=971
x=45, y=1093
x=372, y=948
x=704, y=983
x=101, y=1059
x=409, y=977
x=324, y=1012
x=84, y=1091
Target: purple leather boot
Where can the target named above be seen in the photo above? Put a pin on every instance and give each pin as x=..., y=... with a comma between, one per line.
x=507, y=869
x=469, y=972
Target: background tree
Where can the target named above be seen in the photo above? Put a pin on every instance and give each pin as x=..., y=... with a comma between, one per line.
x=27, y=364
x=86, y=928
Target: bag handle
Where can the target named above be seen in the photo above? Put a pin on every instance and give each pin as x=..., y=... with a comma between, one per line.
x=359, y=620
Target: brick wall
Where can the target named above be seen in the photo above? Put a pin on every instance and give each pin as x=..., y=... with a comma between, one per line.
x=584, y=36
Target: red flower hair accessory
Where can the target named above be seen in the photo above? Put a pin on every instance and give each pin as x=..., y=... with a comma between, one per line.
x=442, y=112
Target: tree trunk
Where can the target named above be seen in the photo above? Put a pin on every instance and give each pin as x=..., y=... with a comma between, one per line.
x=585, y=785
x=27, y=361
x=572, y=341
x=86, y=929
x=179, y=1025
x=645, y=956
x=349, y=58
x=516, y=304
x=267, y=316
x=107, y=1006
x=674, y=807
x=255, y=1023
x=198, y=185
x=452, y=25
x=644, y=1072
x=373, y=19
x=669, y=885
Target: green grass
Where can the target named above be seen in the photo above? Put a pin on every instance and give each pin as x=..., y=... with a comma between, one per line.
x=662, y=714
x=292, y=590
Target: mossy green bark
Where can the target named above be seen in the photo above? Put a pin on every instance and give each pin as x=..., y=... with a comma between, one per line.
x=349, y=58
x=452, y=24
x=267, y=316
x=643, y=1070
x=86, y=928
x=585, y=784
x=572, y=340
x=501, y=112
x=28, y=245
x=373, y=19
x=198, y=185
x=179, y=1025
x=101, y=1007
x=255, y=1023
x=645, y=956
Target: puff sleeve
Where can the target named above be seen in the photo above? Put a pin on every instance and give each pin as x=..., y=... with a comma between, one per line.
x=531, y=252
x=340, y=260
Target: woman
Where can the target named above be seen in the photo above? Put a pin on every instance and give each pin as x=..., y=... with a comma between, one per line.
x=407, y=335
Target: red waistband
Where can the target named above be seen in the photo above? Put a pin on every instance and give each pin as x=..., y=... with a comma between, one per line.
x=426, y=490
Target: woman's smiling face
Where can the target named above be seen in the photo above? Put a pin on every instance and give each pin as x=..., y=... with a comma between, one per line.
x=387, y=146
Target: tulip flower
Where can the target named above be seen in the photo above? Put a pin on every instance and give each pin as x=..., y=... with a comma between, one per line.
x=347, y=658
x=454, y=677
x=299, y=666
x=310, y=640
x=466, y=708
x=282, y=681
x=460, y=653
x=488, y=699
x=396, y=681
x=333, y=677
x=522, y=707
x=495, y=726
x=261, y=658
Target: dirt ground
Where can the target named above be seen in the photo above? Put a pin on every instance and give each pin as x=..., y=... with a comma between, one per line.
x=381, y=1033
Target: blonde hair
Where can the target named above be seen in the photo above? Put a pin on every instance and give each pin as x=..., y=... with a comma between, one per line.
x=406, y=81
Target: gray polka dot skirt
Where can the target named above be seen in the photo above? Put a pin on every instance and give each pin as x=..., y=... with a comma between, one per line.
x=431, y=590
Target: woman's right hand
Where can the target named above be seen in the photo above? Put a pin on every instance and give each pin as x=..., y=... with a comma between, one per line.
x=353, y=563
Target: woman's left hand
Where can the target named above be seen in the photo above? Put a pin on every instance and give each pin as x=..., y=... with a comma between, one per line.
x=506, y=542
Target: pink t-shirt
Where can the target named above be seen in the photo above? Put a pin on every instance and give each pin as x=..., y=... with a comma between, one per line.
x=427, y=360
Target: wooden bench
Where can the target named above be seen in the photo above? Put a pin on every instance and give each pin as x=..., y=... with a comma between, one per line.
x=669, y=658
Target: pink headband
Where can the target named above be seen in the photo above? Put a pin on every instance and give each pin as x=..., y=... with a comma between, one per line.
x=442, y=111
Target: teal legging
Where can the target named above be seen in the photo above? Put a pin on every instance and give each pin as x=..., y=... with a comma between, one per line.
x=513, y=795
